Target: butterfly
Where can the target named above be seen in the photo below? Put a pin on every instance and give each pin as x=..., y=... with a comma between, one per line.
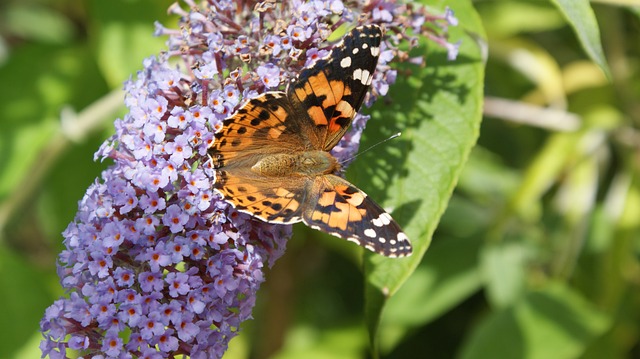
x=272, y=160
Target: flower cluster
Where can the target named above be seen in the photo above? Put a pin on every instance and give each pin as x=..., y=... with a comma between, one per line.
x=156, y=265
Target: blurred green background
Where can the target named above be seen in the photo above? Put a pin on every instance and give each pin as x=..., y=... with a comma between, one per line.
x=536, y=256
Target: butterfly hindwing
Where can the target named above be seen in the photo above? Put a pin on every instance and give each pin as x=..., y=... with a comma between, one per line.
x=271, y=200
x=333, y=89
x=341, y=209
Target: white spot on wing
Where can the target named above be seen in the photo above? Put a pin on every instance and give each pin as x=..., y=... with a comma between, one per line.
x=402, y=237
x=364, y=77
x=370, y=233
x=346, y=62
x=375, y=51
x=357, y=74
x=382, y=220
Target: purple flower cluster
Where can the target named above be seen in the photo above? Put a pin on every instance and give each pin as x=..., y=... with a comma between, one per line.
x=156, y=265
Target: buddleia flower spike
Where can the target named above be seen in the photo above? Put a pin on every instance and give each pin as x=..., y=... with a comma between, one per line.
x=156, y=263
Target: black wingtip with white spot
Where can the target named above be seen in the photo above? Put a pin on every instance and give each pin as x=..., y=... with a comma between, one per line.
x=397, y=247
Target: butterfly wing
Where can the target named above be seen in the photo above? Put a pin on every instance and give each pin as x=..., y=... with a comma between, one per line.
x=273, y=200
x=339, y=208
x=251, y=132
x=329, y=93
x=262, y=126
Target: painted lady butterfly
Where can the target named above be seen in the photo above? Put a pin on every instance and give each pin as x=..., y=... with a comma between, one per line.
x=271, y=156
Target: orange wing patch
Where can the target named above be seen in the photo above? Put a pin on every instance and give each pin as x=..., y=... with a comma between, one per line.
x=344, y=211
x=254, y=127
x=261, y=112
x=269, y=201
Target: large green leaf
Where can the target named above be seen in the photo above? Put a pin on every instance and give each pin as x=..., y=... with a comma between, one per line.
x=438, y=110
x=553, y=323
x=583, y=20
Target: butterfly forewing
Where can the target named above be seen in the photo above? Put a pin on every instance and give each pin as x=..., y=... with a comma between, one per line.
x=254, y=128
x=332, y=90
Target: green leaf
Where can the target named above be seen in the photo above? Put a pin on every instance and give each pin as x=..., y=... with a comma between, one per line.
x=30, y=107
x=339, y=342
x=504, y=266
x=124, y=35
x=555, y=322
x=438, y=110
x=447, y=276
x=486, y=178
x=509, y=18
x=30, y=348
x=583, y=20
x=37, y=23
x=23, y=300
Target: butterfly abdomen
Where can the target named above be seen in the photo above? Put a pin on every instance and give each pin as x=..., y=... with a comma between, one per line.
x=276, y=165
x=307, y=163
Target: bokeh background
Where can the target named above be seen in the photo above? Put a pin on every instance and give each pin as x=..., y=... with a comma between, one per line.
x=536, y=256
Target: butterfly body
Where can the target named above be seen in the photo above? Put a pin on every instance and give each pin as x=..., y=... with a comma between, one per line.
x=308, y=163
x=272, y=156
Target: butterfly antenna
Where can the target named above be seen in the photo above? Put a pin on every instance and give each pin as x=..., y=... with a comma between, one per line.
x=373, y=146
